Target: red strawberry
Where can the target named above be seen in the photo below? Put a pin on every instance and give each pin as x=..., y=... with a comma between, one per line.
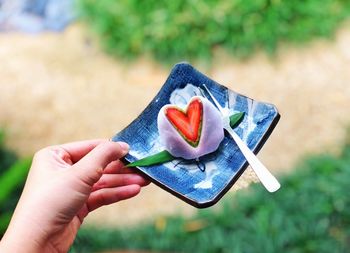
x=189, y=123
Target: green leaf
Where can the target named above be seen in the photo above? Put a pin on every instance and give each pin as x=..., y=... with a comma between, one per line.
x=161, y=157
x=4, y=222
x=14, y=176
x=2, y=137
x=236, y=119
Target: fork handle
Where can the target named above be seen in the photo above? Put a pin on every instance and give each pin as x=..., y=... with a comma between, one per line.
x=264, y=175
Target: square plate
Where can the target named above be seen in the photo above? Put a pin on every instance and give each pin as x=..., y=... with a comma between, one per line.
x=222, y=168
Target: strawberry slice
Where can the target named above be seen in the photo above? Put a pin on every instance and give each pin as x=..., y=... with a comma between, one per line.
x=188, y=123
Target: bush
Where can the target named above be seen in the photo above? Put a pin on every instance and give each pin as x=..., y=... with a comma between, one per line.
x=7, y=157
x=178, y=30
x=13, y=172
x=308, y=214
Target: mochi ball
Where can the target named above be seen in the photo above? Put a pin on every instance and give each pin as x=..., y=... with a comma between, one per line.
x=193, y=131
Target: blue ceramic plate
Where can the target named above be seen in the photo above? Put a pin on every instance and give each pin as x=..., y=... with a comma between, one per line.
x=201, y=183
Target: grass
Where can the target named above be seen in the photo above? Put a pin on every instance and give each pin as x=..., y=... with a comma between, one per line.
x=13, y=172
x=309, y=214
x=185, y=30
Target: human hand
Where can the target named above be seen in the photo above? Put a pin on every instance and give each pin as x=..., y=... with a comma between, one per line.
x=64, y=184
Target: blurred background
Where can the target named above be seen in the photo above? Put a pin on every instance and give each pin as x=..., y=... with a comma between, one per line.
x=82, y=69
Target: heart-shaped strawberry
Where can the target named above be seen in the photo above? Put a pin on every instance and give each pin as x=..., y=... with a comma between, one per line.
x=192, y=132
x=189, y=123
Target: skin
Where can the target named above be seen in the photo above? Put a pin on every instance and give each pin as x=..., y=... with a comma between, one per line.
x=64, y=185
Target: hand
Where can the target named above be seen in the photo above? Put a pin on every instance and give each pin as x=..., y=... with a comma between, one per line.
x=64, y=184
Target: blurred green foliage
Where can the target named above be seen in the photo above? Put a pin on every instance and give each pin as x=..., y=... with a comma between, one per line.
x=179, y=29
x=13, y=172
x=310, y=213
x=7, y=157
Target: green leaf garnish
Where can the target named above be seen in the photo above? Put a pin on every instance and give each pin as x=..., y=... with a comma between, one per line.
x=236, y=119
x=161, y=157
x=164, y=156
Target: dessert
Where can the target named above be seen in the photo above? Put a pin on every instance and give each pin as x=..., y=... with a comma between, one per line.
x=190, y=132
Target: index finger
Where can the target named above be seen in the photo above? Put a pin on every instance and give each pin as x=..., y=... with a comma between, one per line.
x=79, y=149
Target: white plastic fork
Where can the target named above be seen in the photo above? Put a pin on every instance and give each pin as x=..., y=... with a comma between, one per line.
x=264, y=175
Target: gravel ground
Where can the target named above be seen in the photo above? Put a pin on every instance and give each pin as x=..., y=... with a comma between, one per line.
x=57, y=88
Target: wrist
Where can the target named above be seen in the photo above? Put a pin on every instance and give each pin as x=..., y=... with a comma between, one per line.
x=23, y=235
x=19, y=243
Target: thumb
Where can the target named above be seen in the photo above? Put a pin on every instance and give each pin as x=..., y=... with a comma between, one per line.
x=90, y=168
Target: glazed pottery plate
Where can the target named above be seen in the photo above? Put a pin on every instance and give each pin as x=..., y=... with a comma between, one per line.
x=201, y=182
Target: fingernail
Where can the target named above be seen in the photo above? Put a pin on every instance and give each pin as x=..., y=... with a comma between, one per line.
x=124, y=146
